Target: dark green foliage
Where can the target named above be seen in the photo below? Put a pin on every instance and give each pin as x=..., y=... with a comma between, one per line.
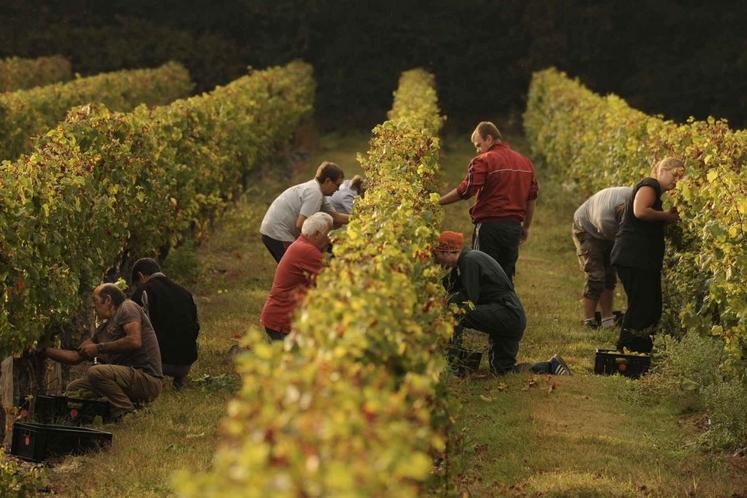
x=665, y=56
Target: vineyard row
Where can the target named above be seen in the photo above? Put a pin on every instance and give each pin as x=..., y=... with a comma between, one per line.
x=17, y=73
x=27, y=113
x=352, y=404
x=103, y=186
x=599, y=142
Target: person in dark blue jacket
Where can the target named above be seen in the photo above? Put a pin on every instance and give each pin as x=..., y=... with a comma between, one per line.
x=478, y=278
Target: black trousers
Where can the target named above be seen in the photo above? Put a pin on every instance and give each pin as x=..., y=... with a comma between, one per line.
x=276, y=247
x=274, y=335
x=178, y=372
x=500, y=240
x=643, y=288
x=504, y=323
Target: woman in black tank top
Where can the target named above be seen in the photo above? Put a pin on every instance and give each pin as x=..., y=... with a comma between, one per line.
x=638, y=253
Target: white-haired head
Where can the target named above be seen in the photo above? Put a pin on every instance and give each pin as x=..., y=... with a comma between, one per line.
x=320, y=223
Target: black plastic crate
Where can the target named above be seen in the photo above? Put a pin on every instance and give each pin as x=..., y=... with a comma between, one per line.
x=38, y=442
x=65, y=410
x=611, y=361
x=464, y=359
x=49, y=409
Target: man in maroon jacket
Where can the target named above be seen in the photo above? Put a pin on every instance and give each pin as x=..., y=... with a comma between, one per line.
x=506, y=189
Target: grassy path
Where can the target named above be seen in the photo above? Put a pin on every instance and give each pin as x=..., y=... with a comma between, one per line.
x=517, y=436
x=585, y=435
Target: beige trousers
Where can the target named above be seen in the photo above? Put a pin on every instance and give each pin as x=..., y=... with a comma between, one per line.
x=122, y=385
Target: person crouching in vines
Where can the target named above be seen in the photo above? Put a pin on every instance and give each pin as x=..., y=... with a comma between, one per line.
x=638, y=253
x=475, y=277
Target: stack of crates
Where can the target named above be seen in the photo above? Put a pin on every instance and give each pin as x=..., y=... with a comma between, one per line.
x=56, y=430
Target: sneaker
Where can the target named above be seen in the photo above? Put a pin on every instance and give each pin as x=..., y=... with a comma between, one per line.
x=558, y=366
x=591, y=323
x=609, y=322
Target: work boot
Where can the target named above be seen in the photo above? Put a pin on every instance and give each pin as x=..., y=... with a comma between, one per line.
x=634, y=342
x=179, y=383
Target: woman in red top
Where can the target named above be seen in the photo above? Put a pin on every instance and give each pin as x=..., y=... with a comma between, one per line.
x=295, y=274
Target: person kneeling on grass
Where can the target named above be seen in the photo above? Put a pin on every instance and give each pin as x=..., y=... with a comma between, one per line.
x=478, y=278
x=126, y=343
x=172, y=311
x=295, y=274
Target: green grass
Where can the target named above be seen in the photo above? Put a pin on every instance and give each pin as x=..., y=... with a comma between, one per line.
x=230, y=274
x=585, y=435
x=517, y=436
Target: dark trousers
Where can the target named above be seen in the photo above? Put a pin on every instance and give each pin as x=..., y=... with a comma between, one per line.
x=500, y=240
x=178, y=372
x=504, y=323
x=276, y=247
x=122, y=386
x=643, y=288
x=274, y=335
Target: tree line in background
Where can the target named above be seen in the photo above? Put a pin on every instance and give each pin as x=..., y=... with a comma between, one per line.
x=674, y=57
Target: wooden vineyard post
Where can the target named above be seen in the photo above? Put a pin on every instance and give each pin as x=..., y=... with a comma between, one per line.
x=9, y=409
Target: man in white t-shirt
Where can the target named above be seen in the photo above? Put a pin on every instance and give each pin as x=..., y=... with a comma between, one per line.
x=285, y=216
x=595, y=225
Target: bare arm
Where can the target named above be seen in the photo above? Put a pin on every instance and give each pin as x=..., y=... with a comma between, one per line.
x=643, y=207
x=337, y=218
x=132, y=340
x=340, y=218
x=450, y=198
x=66, y=356
x=531, y=205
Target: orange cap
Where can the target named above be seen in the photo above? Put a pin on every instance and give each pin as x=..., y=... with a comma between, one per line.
x=450, y=241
